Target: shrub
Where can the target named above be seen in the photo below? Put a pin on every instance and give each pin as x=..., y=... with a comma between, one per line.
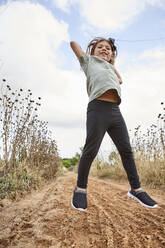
x=27, y=148
x=149, y=153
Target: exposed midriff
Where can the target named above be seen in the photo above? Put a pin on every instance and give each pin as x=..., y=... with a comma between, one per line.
x=110, y=96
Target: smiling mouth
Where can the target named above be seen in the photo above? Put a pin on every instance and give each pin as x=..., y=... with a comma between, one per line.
x=103, y=54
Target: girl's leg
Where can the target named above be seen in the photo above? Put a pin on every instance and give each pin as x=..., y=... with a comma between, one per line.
x=119, y=134
x=95, y=133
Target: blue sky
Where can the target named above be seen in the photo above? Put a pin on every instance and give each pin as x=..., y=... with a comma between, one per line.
x=35, y=53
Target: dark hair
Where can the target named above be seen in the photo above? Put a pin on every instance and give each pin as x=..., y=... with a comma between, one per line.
x=92, y=44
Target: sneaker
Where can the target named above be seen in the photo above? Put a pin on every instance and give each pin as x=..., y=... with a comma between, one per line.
x=142, y=197
x=79, y=200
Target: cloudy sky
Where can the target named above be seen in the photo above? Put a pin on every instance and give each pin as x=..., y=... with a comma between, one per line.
x=35, y=54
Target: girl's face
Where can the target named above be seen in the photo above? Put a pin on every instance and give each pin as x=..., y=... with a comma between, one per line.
x=103, y=50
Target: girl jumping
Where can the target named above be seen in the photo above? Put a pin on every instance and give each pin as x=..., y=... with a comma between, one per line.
x=103, y=115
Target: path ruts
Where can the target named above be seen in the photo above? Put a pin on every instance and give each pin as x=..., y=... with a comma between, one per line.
x=45, y=218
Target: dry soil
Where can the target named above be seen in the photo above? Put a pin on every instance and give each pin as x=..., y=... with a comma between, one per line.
x=45, y=218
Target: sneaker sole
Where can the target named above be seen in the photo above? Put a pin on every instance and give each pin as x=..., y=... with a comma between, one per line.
x=144, y=205
x=80, y=209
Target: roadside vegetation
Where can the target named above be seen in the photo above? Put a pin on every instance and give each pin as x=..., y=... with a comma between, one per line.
x=149, y=154
x=70, y=163
x=28, y=154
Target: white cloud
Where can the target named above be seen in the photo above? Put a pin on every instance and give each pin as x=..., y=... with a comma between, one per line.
x=113, y=15
x=33, y=29
x=143, y=91
x=158, y=3
x=157, y=53
x=107, y=14
x=29, y=50
x=30, y=38
x=62, y=4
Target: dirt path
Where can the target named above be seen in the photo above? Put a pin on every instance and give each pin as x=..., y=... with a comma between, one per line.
x=45, y=218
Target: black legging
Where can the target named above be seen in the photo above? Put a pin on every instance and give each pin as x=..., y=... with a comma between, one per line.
x=103, y=116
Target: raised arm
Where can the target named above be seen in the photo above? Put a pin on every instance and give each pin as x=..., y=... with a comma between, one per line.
x=76, y=48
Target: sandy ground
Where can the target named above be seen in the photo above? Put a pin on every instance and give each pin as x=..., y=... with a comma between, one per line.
x=45, y=218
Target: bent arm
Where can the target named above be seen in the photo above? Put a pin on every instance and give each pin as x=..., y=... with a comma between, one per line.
x=76, y=49
x=116, y=72
x=119, y=77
